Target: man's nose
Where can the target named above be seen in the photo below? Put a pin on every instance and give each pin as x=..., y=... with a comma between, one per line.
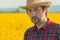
x=34, y=13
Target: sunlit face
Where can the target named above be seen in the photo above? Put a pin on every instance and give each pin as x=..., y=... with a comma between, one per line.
x=37, y=14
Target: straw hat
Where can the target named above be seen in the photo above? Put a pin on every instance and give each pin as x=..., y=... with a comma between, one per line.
x=31, y=3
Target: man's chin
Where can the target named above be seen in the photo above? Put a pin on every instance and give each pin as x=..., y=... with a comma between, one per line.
x=36, y=22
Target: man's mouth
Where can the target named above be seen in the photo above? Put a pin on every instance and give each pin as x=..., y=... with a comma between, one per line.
x=36, y=20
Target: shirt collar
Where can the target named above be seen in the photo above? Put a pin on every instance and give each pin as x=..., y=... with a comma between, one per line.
x=47, y=25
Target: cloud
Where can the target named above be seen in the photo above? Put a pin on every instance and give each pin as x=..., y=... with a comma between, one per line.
x=16, y=3
x=54, y=2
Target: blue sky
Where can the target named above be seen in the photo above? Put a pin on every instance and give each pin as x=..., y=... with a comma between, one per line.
x=16, y=3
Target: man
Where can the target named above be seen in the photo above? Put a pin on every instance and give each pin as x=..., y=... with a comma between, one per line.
x=43, y=29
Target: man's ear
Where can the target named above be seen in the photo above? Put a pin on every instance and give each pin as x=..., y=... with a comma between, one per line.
x=46, y=9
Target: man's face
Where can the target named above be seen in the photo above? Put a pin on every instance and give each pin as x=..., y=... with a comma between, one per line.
x=37, y=14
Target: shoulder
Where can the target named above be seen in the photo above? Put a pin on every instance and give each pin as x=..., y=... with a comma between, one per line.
x=55, y=26
x=29, y=29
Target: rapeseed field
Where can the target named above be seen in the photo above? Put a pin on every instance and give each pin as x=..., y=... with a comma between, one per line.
x=13, y=25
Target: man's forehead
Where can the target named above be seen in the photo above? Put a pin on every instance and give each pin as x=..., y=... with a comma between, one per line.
x=34, y=7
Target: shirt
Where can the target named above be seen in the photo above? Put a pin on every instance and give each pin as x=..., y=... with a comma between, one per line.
x=50, y=31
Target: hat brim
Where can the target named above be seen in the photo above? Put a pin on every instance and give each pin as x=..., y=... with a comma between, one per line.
x=41, y=4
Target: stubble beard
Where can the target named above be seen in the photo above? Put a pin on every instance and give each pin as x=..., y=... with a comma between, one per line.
x=36, y=20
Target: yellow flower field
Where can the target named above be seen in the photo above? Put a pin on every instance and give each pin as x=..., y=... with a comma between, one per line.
x=13, y=25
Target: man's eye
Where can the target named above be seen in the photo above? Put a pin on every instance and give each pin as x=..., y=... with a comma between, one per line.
x=30, y=10
x=37, y=8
